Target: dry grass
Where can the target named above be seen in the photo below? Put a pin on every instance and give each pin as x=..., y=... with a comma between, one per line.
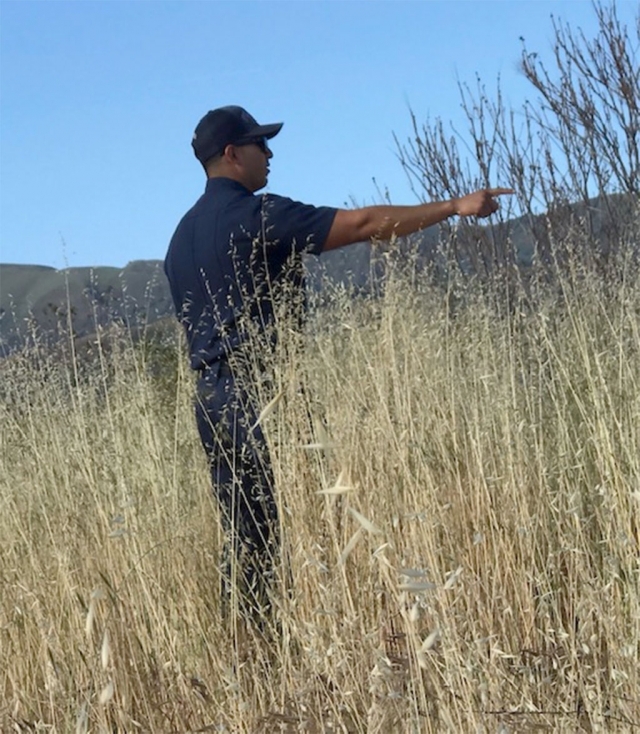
x=472, y=568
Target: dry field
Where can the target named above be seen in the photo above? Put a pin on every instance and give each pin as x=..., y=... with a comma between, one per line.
x=461, y=525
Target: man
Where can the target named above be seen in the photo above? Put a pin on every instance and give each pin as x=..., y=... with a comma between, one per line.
x=232, y=257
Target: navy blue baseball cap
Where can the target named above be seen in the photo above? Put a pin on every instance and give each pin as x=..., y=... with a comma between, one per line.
x=228, y=126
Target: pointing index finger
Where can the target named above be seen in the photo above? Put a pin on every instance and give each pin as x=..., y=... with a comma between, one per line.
x=500, y=191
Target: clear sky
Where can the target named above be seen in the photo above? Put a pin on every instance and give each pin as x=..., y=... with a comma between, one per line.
x=99, y=99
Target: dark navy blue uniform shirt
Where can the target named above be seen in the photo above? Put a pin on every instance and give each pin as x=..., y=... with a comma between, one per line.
x=231, y=254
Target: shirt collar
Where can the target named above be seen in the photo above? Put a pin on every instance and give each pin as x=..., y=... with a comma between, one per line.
x=221, y=183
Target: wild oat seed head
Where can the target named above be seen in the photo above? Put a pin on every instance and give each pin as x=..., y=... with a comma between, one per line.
x=350, y=546
x=106, y=694
x=366, y=524
x=453, y=579
x=88, y=627
x=105, y=651
x=430, y=640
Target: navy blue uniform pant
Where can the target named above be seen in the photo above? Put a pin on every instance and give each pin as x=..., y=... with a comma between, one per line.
x=242, y=482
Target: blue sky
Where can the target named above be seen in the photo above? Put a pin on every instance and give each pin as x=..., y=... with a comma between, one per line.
x=99, y=99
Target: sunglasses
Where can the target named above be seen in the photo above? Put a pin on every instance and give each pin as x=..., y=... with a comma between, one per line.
x=262, y=143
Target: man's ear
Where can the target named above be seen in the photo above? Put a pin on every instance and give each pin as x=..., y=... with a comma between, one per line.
x=230, y=154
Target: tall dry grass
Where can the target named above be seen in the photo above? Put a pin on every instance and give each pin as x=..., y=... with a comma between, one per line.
x=471, y=566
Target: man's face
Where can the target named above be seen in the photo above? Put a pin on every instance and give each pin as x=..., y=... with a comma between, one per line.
x=253, y=160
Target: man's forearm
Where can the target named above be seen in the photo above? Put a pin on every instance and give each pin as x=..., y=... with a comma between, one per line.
x=384, y=221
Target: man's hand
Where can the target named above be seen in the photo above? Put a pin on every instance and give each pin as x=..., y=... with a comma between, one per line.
x=480, y=203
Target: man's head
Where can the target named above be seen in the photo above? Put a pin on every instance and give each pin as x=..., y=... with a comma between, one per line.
x=229, y=142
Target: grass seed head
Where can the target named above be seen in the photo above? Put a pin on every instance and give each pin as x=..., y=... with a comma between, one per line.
x=430, y=640
x=366, y=524
x=453, y=579
x=350, y=546
x=268, y=409
x=105, y=651
x=91, y=614
x=342, y=485
x=106, y=694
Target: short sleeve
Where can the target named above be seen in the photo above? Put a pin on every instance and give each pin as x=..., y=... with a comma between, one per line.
x=295, y=226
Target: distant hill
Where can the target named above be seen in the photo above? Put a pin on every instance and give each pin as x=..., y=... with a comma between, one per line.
x=38, y=299
x=42, y=301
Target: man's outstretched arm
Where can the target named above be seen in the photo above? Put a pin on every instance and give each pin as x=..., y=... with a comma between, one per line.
x=382, y=222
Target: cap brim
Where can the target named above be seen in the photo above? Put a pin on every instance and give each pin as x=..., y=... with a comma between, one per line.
x=263, y=131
